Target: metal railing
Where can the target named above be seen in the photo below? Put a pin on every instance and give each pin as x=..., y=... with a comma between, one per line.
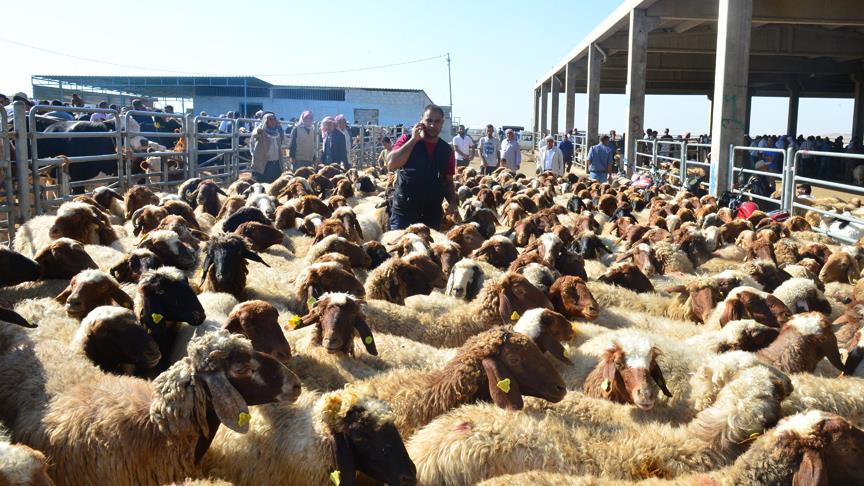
x=790, y=202
x=676, y=154
x=733, y=170
x=212, y=160
x=700, y=152
x=7, y=196
x=63, y=189
x=243, y=144
x=647, y=151
x=134, y=136
x=582, y=145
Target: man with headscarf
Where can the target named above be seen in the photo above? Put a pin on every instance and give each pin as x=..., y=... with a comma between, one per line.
x=266, y=147
x=334, y=146
x=511, y=155
x=424, y=166
x=342, y=126
x=301, y=151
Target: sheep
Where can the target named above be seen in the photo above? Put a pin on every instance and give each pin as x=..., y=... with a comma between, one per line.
x=241, y=216
x=349, y=220
x=497, y=250
x=113, y=340
x=841, y=266
x=434, y=273
x=166, y=298
x=206, y=196
x=467, y=236
x=232, y=205
x=179, y=225
x=109, y=200
x=803, y=341
x=465, y=280
x=82, y=222
x=499, y=364
x=447, y=253
x=135, y=263
x=377, y=253
x=748, y=405
x=500, y=301
x=629, y=276
x=338, y=244
x=260, y=236
x=90, y=289
x=320, y=278
x=571, y=297
x=137, y=197
x=748, y=302
x=257, y=321
x=152, y=432
x=344, y=432
x=170, y=249
x=22, y=465
x=224, y=268
x=147, y=218
x=184, y=210
x=337, y=317
x=63, y=259
x=802, y=295
x=539, y=275
x=396, y=279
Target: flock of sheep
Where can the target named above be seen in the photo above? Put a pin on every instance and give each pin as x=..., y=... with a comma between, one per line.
x=556, y=331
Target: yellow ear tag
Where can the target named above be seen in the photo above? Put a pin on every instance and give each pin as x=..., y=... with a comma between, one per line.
x=504, y=385
x=754, y=435
x=336, y=477
x=157, y=318
x=606, y=386
x=661, y=381
x=243, y=419
x=127, y=305
x=514, y=316
x=367, y=340
x=566, y=352
x=294, y=321
x=310, y=302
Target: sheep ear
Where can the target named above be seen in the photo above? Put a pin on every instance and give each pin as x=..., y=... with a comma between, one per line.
x=476, y=284
x=829, y=349
x=221, y=192
x=366, y=336
x=547, y=342
x=208, y=262
x=503, y=388
x=344, y=461
x=358, y=229
x=312, y=317
x=450, y=281
x=62, y=296
x=228, y=404
x=505, y=308
x=856, y=355
x=121, y=297
x=13, y=317
x=811, y=471
x=657, y=376
x=778, y=309
x=610, y=375
x=733, y=311
x=251, y=255
x=676, y=289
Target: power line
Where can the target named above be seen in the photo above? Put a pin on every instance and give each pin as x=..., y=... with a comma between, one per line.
x=143, y=68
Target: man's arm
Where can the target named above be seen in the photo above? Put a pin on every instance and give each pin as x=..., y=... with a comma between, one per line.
x=399, y=155
x=450, y=193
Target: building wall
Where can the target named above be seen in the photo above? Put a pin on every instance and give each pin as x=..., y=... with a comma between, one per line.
x=394, y=107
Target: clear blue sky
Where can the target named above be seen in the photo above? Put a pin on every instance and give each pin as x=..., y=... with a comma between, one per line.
x=498, y=50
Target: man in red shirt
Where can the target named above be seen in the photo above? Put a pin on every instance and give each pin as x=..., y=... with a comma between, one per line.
x=424, y=174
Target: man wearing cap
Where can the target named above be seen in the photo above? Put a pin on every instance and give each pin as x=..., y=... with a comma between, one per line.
x=566, y=147
x=550, y=158
x=600, y=160
x=511, y=156
x=19, y=96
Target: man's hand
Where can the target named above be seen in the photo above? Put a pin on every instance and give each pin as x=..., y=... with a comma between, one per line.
x=417, y=131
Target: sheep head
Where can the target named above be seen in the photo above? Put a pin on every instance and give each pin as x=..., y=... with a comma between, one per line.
x=447, y=254
x=91, y=289
x=170, y=249
x=167, y=297
x=338, y=317
x=364, y=437
x=260, y=236
x=516, y=295
x=628, y=373
x=134, y=264
x=548, y=329
x=629, y=276
x=137, y=197
x=702, y=296
x=17, y=268
x=803, y=341
x=63, y=258
x=571, y=297
x=747, y=302
x=113, y=340
x=224, y=268
x=257, y=320
x=12, y=317
x=465, y=281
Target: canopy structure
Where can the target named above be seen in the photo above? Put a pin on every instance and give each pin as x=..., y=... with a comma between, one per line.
x=728, y=50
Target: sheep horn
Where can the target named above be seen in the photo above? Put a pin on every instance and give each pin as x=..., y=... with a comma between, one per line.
x=13, y=317
x=221, y=192
x=205, y=268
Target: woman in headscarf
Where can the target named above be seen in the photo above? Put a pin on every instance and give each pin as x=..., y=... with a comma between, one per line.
x=342, y=126
x=266, y=145
x=301, y=151
x=335, y=148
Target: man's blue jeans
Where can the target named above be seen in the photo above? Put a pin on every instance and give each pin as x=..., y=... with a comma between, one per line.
x=598, y=176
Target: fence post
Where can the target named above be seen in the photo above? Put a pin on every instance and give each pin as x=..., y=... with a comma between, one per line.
x=789, y=180
x=22, y=158
x=654, y=154
x=235, y=150
x=683, y=163
x=191, y=145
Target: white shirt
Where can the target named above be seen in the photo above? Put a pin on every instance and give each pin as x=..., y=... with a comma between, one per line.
x=464, y=144
x=488, y=150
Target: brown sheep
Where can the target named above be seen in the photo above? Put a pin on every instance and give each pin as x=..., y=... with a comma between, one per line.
x=396, y=279
x=261, y=236
x=90, y=289
x=629, y=276
x=286, y=217
x=137, y=197
x=63, y=258
x=499, y=251
x=187, y=235
x=803, y=341
x=467, y=236
x=230, y=206
x=82, y=222
x=572, y=298
x=840, y=267
x=320, y=278
x=257, y=320
x=145, y=219
x=333, y=243
x=447, y=254
x=337, y=318
x=307, y=205
x=628, y=373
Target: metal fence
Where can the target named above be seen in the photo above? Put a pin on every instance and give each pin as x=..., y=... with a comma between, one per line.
x=7, y=196
x=736, y=171
x=50, y=175
x=160, y=168
x=646, y=154
x=790, y=202
x=695, y=155
x=213, y=153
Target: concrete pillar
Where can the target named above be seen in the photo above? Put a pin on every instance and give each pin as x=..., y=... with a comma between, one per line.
x=858, y=111
x=593, y=91
x=556, y=98
x=730, y=86
x=537, y=110
x=792, y=116
x=749, y=111
x=710, y=113
x=544, y=104
x=637, y=62
x=569, y=96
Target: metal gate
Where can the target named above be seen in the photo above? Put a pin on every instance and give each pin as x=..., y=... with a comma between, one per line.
x=699, y=152
x=733, y=170
x=646, y=155
x=212, y=162
x=7, y=190
x=242, y=142
x=790, y=201
x=55, y=192
x=161, y=170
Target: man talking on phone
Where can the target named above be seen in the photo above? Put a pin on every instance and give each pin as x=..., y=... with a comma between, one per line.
x=424, y=166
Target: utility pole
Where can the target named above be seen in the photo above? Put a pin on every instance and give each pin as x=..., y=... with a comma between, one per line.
x=450, y=84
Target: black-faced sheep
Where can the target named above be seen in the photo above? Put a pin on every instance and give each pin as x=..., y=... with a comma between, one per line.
x=224, y=268
x=113, y=340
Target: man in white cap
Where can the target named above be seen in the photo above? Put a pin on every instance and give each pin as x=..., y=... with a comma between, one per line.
x=550, y=158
